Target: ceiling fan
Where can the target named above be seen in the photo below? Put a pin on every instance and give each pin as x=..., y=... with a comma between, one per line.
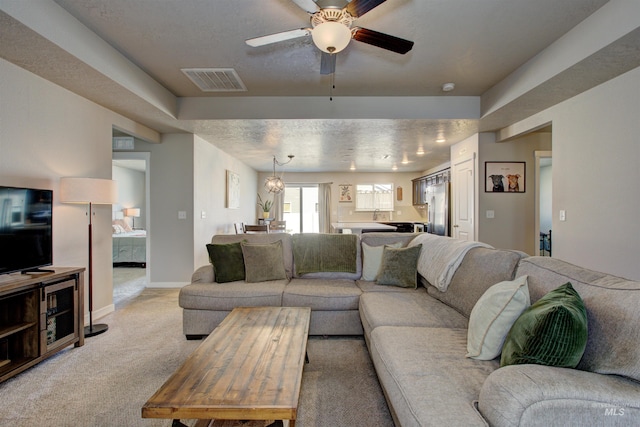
x=332, y=30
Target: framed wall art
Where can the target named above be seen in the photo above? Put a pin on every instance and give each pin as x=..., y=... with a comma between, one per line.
x=504, y=177
x=346, y=195
x=233, y=190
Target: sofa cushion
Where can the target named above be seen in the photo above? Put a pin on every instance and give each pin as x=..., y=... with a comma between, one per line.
x=285, y=238
x=613, y=312
x=480, y=269
x=263, y=262
x=553, y=331
x=227, y=296
x=425, y=376
x=398, y=266
x=414, y=308
x=320, y=294
x=227, y=260
x=493, y=315
x=372, y=258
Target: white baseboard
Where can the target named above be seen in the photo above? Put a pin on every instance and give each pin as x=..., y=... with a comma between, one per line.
x=97, y=314
x=167, y=285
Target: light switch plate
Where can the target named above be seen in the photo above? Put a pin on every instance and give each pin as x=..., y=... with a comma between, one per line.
x=563, y=215
x=182, y=214
x=491, y=214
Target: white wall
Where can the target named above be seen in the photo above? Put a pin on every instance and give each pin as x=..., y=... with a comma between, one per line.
x=513, y=226
x=595, y=175
x=48, y=133
x=210, y=169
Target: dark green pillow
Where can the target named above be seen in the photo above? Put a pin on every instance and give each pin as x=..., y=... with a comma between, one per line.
x=263, y=261
x=399, y=266
x=553, y=331
x=227, y=260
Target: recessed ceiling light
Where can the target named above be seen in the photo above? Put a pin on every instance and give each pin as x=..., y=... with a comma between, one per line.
x=353, y=166
x=448, y=87
x=420, y=151
x=394, y=167
x=441, y=139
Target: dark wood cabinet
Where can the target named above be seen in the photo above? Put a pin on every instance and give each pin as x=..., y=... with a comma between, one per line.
x=40, y=314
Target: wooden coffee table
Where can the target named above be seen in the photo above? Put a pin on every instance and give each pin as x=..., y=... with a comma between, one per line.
x=248, y=368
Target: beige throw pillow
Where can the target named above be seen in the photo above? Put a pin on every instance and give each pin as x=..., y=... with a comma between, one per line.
x=493, y=315
x=371, y=260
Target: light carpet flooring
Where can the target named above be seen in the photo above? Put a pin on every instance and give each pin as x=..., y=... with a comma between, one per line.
x=106, y=382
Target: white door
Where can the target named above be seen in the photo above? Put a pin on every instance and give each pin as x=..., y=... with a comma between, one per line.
x=463, y=177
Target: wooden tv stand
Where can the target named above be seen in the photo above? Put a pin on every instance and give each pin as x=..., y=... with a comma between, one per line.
x=40, y=314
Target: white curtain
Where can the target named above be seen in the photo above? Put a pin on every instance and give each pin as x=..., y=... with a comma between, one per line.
x=278, y=206
x=324, y=207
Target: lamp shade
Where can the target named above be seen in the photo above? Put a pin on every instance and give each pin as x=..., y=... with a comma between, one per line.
x=331, y=37
x=135, y=212
x=88, y=190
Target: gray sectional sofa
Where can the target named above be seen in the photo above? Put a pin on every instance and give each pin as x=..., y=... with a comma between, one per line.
x=418, y=337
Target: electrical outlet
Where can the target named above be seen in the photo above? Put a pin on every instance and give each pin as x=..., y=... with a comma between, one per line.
x=491, y=214
x=203, y=215
x=182, y=214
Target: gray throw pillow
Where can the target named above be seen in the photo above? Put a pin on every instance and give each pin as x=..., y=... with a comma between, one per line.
x=399, y=267
x=263, y=261
x=227, y=260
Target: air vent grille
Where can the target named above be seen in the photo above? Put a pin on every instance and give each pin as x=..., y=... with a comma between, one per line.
x=215, y=79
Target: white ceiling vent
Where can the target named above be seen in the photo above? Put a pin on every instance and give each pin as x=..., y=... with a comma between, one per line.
x=215, y=79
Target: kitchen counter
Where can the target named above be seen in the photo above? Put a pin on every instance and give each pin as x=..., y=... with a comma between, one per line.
x=358, y=227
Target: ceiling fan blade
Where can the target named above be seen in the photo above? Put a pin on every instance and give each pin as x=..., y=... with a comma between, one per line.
x=328, y=63
x=308, y=5
x=278, y=37
x=384, y=41
x=358, y=8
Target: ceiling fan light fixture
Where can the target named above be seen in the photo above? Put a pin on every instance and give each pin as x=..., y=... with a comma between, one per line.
x=331, y=37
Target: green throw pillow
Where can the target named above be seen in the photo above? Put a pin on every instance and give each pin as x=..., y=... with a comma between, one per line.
x=227, y=260
x=263, y=261
x=399, y=266
x=553, y=331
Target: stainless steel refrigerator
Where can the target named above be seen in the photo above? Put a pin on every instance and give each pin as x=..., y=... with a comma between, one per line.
x=438, y=206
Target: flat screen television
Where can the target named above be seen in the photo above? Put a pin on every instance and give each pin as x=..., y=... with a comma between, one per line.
x=26, y=242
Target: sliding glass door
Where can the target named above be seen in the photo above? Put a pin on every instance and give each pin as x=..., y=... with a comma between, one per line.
x=301, y=208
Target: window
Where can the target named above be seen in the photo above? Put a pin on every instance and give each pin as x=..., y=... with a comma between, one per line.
x=371, y=197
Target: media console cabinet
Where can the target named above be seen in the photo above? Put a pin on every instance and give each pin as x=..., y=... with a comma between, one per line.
x=40, y=314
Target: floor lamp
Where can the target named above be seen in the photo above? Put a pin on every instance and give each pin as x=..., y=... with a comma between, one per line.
x=89, y=191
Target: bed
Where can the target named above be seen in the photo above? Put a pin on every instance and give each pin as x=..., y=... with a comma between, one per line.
x=129, y=246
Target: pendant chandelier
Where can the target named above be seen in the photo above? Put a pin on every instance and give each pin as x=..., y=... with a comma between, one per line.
x=275, y=184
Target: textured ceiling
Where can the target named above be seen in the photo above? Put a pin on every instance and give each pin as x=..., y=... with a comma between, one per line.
x=475, y=44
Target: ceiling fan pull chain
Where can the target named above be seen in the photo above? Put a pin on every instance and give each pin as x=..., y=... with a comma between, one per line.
x=333, y=86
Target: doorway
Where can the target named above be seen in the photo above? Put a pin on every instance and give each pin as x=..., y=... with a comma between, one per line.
x=300, y=208
x=543, y=207
x=131, y=252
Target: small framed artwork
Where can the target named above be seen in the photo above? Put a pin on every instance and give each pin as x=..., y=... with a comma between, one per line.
x=504, y=177
x=233, y=190
x=345, y=193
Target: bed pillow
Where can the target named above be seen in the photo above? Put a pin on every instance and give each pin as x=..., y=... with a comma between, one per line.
x=227, y=260
x=399, y=266
x=263, y=261
x=493, y=315
x=122, y=223
x=553, y=331
x=371, y=260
